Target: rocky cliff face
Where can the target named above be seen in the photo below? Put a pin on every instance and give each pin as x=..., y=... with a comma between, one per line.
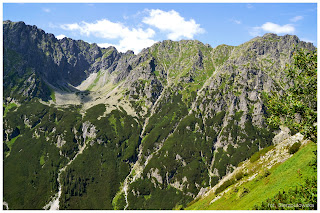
x=168, y=122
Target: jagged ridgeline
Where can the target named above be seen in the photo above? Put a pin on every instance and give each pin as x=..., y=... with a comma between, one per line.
x=92, y=128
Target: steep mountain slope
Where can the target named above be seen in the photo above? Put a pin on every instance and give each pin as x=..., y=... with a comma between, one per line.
x=109, y=130
x=262, y=177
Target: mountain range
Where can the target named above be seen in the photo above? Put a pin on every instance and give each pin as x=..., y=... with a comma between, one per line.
x=93, y=128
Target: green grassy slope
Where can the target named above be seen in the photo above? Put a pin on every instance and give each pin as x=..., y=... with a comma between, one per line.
x=282, y=177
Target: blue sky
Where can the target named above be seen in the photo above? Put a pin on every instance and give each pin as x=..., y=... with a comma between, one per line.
x=138, y=25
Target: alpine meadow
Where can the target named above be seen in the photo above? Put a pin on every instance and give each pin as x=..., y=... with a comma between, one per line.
x=178, y=125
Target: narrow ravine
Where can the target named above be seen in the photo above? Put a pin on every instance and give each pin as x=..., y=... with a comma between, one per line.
x=152, y=112
x=125, y=189
x=130, y=178
x=137, y=167
x=54, y=203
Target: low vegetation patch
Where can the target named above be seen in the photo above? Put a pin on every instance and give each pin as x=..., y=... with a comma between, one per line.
x=242, y=192
x=9, y=107
x=240, y=175
x=257, y=155
x=94, y=112
x=294, y=148
x=225, y=185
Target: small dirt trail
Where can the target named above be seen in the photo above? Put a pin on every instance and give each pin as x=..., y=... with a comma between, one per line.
x=137, y=167
x=54, y=203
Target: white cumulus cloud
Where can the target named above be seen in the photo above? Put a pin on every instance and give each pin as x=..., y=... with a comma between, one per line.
x=61, y=36
x=102, y=28
x=172, y=23
x=296, y=18
x=129, y=39
x=136, y=41
x=272, y=28
x=275, y=28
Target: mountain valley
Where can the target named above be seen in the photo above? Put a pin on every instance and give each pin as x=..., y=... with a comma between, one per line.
x=86, y=127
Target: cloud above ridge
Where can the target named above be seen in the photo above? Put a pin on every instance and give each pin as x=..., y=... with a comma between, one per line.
x=175, y=25
x=134, y=39
x=140, y=36
x=61, y=36
x=272, y=28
